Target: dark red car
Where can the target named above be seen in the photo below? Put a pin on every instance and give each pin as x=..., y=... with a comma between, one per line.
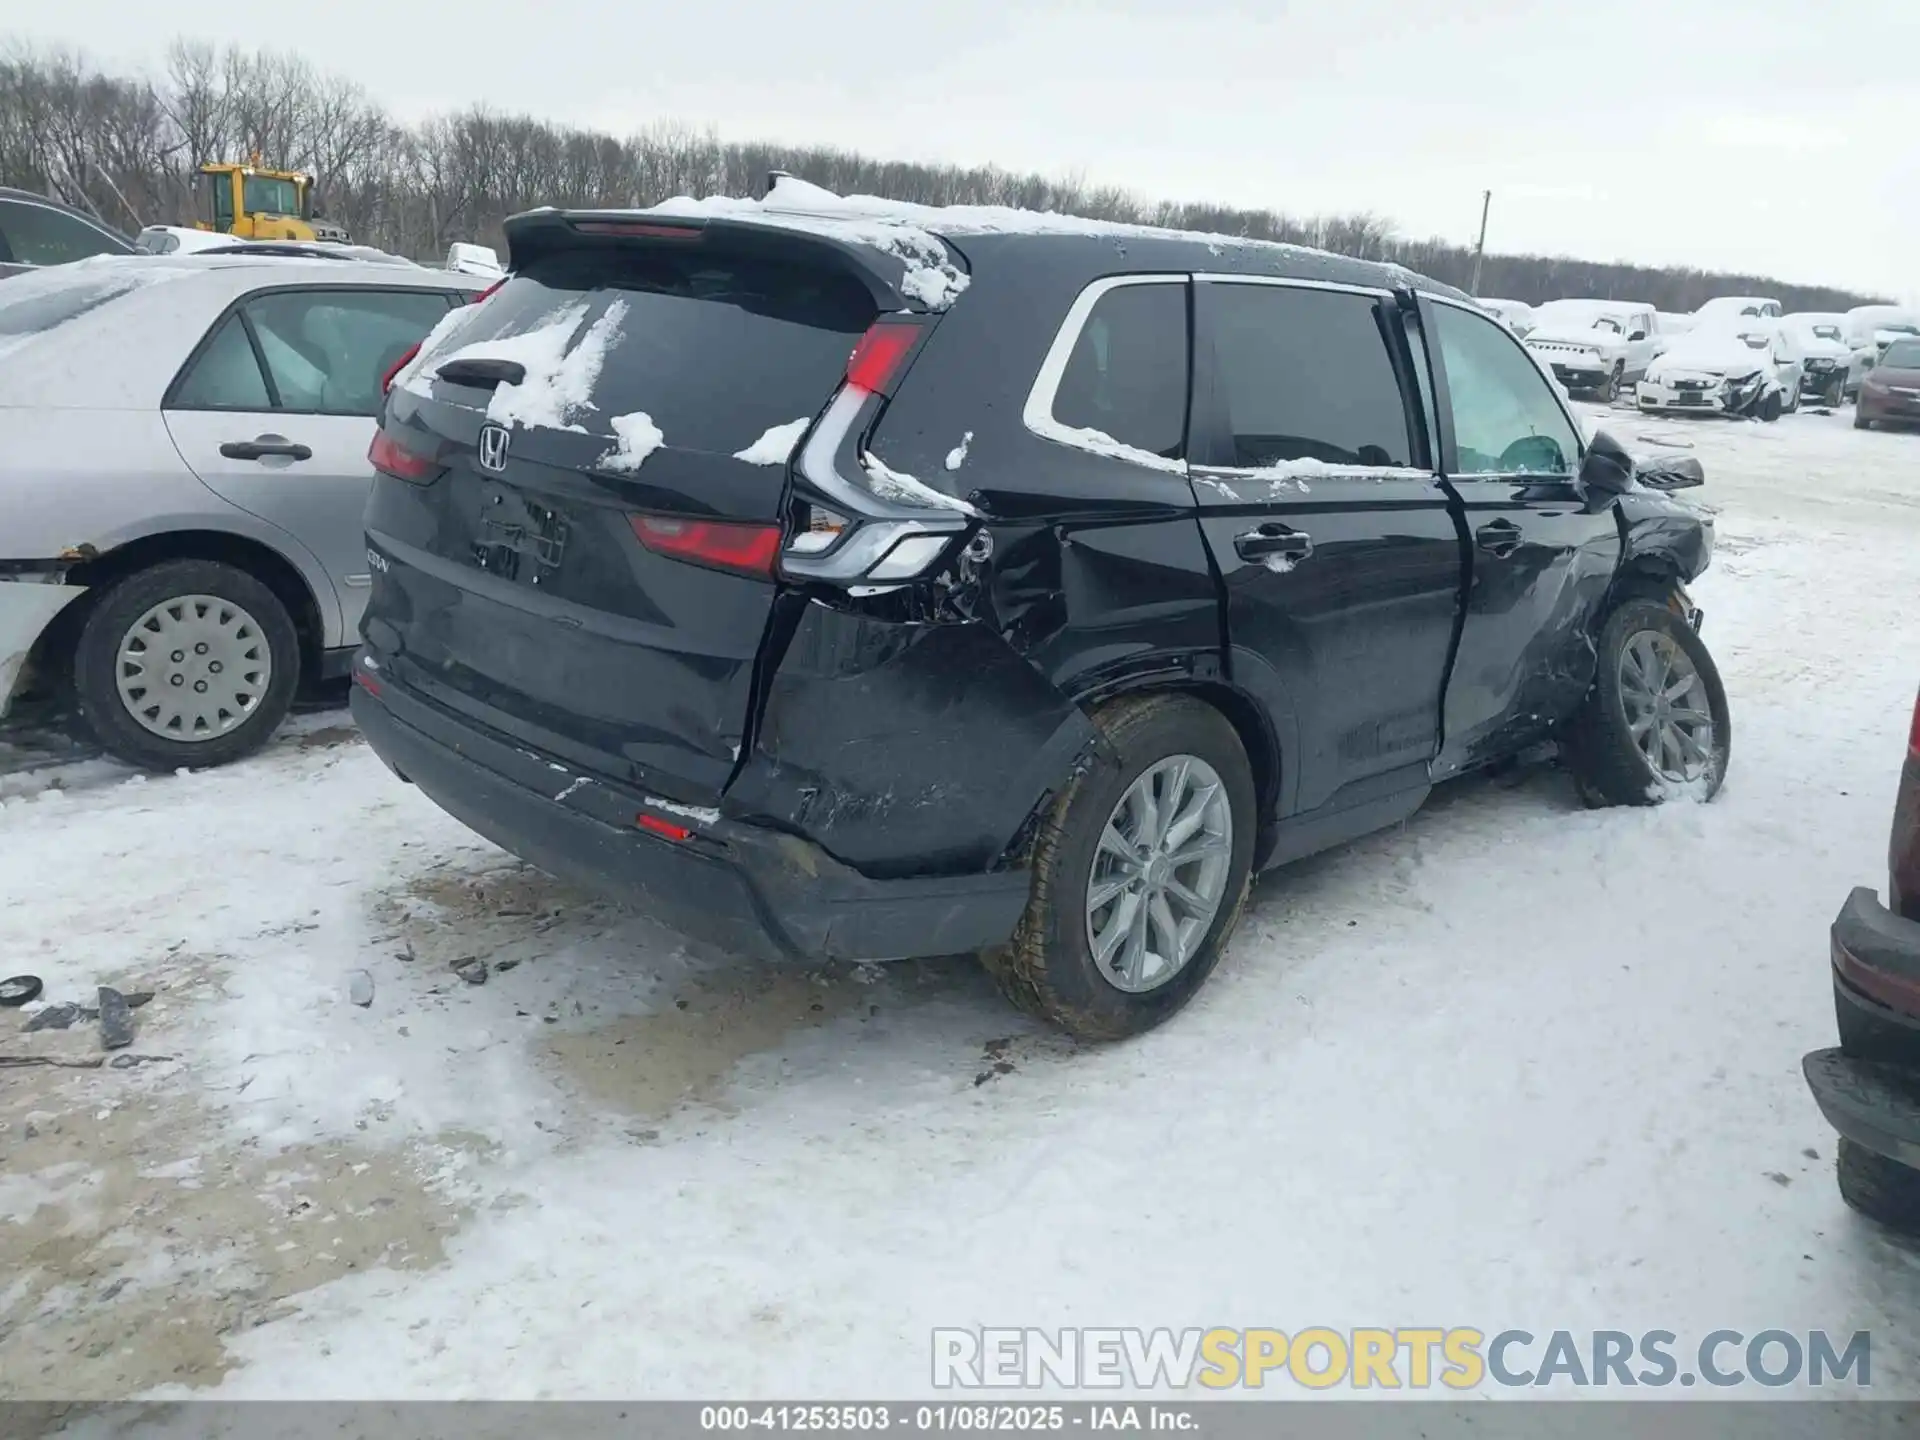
x=1890, y=395
x=1869, y=1087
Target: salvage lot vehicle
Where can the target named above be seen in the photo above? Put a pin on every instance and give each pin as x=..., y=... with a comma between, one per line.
x=176, y=239
x=1713, y=371
x=1100, y=576
x=1726, y=310
x=36, y=231
x=1517, y=313
x=1833, y=367
x=1596, y=346
x=1869, y=1086
x=1890, y=394
x=182, y=474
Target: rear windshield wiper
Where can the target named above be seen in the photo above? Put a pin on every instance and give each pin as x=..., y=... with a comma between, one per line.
x=484, y=374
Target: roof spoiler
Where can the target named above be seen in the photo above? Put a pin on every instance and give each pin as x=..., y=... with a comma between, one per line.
x=534, y=234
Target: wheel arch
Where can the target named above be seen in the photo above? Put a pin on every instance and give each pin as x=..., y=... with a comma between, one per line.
x=255, y=557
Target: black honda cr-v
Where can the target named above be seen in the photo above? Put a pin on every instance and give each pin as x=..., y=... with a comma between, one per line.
x=836, y=582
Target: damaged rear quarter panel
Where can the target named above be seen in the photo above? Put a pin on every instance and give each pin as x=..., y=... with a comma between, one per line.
x=905, y=747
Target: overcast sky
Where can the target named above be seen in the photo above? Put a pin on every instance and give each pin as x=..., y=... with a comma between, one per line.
x=1778, y=136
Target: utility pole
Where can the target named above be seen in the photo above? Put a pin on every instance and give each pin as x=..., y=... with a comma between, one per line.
x=1480, y=248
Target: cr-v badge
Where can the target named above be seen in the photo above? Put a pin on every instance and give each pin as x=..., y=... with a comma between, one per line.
x=493, y=448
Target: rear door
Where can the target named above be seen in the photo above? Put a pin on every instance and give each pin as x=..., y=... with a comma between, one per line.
x=1541, y=556
x=276, y=410
x=588, y=566
x=1330, y=528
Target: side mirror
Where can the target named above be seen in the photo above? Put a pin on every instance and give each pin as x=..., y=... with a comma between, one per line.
x=1608, y=468
x=1638, y=335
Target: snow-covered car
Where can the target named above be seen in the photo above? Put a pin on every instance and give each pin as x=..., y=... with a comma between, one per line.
x=1731, y=309
x=1733, y=371
x=1833, y=367
x=1517, y=313
x=1869, y=1086
x=179, y=240
x=1597, y=346
x=466, y=259
x=1669, y=326
x=1877, y=326
x=183, y=466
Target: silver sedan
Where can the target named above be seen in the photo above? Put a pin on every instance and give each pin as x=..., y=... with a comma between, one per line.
x=183, y=467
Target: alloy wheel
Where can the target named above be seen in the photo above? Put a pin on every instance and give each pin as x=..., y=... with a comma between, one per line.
x=1668, y=713
x=1159, y=873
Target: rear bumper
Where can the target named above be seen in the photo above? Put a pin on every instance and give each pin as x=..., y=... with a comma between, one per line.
x=743, y=887
x=1869, y=1087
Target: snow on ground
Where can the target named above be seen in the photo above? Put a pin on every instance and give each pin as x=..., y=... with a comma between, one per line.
x=1511, y=1064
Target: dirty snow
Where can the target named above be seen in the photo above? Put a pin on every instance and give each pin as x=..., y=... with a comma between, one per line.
x=1511, y=1063
x=776, y=446
x=905, y=489
x=635, y=438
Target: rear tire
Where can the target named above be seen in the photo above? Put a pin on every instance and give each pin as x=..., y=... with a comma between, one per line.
x=1605, y=747
x=234, y=637
x=1049, y=968
x=1883, y=1190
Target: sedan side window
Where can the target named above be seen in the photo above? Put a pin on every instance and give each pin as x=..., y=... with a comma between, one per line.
x=1305, y=374
x=1127, y=376
x=41, y=235
x=326, y=350
x=225, y=375
x=1506, y=420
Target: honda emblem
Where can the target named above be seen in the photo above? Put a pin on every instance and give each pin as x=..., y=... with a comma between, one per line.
x=493, y=448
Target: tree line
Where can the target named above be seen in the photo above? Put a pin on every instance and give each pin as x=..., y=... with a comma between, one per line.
x=127, y=148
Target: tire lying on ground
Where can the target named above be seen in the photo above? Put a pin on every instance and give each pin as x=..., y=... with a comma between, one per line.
x=1139, y=873
x=1879, y=1188
x=1655, y=724
x=188, y=662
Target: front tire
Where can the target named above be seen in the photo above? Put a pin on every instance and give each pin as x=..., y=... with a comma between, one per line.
x=1879, y=1188
x=1610, y=392
x=1140, y=873
x=1656, y=723
x=1860, y=422
x=186, y=663
x=1770, y=409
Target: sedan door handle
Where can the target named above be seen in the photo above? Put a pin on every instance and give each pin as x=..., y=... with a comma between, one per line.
x=1273, y=538
x=1499, y=538
x=263, y=445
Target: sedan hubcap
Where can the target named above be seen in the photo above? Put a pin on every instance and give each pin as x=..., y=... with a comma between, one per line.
x=1666, y=702
x=193, y=668
x=1159, y=874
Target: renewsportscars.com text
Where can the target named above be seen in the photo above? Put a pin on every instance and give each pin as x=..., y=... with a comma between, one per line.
x=1410, y=1358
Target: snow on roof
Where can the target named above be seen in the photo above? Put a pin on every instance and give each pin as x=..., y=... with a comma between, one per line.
x=908, y=231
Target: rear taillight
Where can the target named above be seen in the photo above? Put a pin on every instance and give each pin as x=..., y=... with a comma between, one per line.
x=1913, y=734
x=880, y=356
x=390, y=458
x=744, y=549
x=406, y=359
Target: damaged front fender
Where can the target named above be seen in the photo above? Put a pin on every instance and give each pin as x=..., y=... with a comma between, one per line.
x=31, y=594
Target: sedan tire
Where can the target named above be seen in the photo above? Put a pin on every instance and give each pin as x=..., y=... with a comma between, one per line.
x=186, y=663
x=1139, y=873
x=1879, y=1188
x=1861, y=422
x=1655, y=724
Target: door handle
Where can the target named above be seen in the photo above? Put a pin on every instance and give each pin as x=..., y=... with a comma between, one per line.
x=264, y=445
x=1499, y=538
x=1273, y=538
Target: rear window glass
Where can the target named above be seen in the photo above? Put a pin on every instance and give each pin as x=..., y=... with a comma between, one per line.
x=33, y=304
x=1127, y=376
x=716, y=350
x=1307, y=376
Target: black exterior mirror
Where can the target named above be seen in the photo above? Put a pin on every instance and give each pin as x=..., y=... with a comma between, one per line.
x=1608, y=468
x=1671, y=472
